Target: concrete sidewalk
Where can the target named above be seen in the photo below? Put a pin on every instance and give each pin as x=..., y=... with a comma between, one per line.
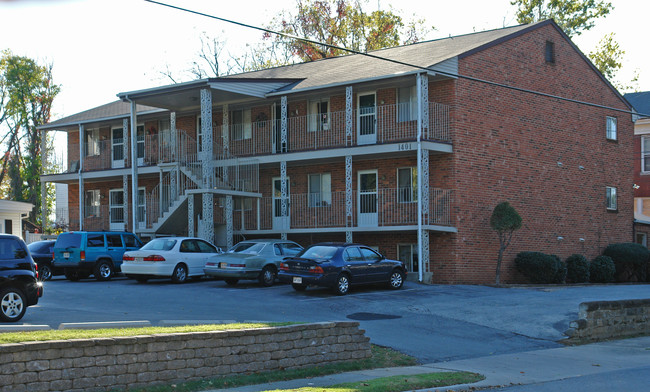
x=503, y=370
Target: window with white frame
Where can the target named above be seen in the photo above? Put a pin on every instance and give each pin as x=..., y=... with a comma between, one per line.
x=408, y=253
x=407, y=104
x=92, y=142
x=645, y=154
x=319, y=115
x=642, y=239
x=611, y=198
x=611, y=128
x=407, y=184
x=91, y=203
x=241, y=124
x=320, y=190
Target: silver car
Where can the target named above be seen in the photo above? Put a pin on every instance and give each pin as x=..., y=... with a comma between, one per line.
x=251, y=259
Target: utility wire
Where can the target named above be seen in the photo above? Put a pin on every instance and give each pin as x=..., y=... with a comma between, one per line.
x=451, y=74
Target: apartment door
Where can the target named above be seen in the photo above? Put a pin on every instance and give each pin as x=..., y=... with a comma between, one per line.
x=367, y=198
x=367, y=119
x=142, y=209
x=140, y=144
x=117, y=148
x=116, y=209
x=280, y=221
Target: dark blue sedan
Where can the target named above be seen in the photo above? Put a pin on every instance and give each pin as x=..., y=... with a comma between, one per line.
x=339, y=266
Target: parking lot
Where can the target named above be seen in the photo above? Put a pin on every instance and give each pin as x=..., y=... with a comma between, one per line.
x=431, y=322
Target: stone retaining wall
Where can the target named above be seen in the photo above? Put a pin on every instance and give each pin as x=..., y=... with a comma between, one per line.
x=611, y=319
x=107, y=363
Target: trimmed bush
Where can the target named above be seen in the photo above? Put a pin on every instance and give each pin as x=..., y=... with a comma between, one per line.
x=630, y=260
x=577, y=269
x=602, y=270
x=539, y=267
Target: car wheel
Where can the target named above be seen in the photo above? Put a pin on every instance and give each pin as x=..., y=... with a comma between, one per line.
x=396, y=280
x=72, y=275
x=12, y=304
x=44, y=272
x=231, y=281
x=267, y=277
x=342, y=284
x=180, y=274
x=299, y=287
x=103, y=270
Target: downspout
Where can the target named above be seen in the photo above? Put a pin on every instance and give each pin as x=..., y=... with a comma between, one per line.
x=134, y=166
x=419, y=182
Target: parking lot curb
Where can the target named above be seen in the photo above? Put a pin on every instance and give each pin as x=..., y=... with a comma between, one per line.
x=23, y=328
x=106, y=324
x=194, y=322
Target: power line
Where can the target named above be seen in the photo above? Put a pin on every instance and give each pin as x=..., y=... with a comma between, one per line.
x=450, y=74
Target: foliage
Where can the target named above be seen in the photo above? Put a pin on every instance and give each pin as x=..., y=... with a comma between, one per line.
x=602, y=270
x=540, y=268
x=505, y=220
x=577, y=269
x=630, y=261
x=573, y=16
x=342, y=23
x=26, y=96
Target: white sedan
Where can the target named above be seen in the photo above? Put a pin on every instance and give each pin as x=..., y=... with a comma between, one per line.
x=177, y=258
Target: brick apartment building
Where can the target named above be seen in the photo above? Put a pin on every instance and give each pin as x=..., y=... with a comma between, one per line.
x=641, y=103
x=410, y=160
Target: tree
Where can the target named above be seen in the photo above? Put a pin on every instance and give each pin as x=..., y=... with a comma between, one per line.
x=342, y=23
x=608, y=57
x=27, y=93
x=505, y=220
x=573, y=16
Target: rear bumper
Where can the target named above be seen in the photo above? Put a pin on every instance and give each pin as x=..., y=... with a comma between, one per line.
x=238, y=273
x=148, y=269
x=305, y=279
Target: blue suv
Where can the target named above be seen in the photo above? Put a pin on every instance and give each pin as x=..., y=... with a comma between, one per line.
x=98, y=253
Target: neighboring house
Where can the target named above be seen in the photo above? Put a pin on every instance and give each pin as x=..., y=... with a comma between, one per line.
x=409, y=160
x=12, y=214
x=641, y=103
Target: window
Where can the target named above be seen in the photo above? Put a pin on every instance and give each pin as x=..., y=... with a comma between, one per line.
x=9, y=226
x=130, y=241
x=352, y=255
x=245, y=204
x=91, y=203
x=645, y=154
x=114, y=240
x=549, y=52
x=319, y=118
x=370, y=255
x=408, y=253
x=290, y=249
x=611, y=198
x=407, y=104
x=407, y=183
x=320, y=190
x=241, y=124
x=642, y=238
x=95, y=240
x=611, y=128
x=205, y=247
x=92, y=142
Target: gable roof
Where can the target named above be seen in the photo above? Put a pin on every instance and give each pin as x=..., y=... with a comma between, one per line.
x=640, y=101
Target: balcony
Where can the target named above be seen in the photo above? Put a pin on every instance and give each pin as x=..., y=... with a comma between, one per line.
x=383, y=124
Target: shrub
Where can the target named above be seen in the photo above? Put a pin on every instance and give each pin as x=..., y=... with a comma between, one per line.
x=630, y=260
x=539, y=267
x=577, y=269
x=602, y=270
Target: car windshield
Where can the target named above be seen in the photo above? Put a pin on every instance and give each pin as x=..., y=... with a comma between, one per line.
x=247, y=247
x=319, y=252
x=159, y=244
x=71, y=240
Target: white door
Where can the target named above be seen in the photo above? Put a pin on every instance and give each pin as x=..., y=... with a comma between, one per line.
x=142, y=209
x=367, y=198
x=116, y=209
x=367, y=119
x=117, y=148
x=141, y=144
x=280, y=221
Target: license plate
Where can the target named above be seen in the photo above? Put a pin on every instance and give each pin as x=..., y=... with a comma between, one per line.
x=66, y=255
x=297, y=280
x=139, y=259
x=223, y=265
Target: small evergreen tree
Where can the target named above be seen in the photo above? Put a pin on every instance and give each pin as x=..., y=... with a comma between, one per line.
x=505, y=220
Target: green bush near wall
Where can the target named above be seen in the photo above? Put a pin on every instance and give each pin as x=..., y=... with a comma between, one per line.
x=630, y=261
x=602, y=270
x=577, y=269
x=540, y=267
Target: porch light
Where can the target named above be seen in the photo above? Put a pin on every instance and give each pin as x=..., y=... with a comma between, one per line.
x=560, y=238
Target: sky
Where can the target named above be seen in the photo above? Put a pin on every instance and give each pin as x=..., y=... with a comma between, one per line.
x=100, y=48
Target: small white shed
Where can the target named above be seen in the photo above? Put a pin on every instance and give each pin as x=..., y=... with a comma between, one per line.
x=12, y=214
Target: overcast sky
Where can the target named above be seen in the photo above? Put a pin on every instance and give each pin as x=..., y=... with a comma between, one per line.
x=102, y=47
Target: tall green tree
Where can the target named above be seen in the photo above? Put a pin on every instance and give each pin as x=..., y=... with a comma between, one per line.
x=27, y=92
x=505, y=220
x=573, y=16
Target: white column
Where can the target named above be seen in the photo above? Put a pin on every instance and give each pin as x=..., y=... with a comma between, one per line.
x=348, y=115
x=82, y=153
x=229, y=224
x=134, y=167
x=225, y=131
x=419, y=159
x=44, y=211
x=349, y=219
x=208, y=169
x=283, y=125
x=190, y=215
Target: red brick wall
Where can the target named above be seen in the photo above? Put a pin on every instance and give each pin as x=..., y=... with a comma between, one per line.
x=507, y=147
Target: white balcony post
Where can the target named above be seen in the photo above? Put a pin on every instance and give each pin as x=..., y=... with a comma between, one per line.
x=173, y=136
x=229, y=223
x=190, y=215
x=419, y=170
x=134, y=167
x=283, y=125
x=258, y=214
x=348, y=197
x=82, y=152
x=284, y=208
x=225, y=131
x=208, y=169
x=348, y=115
